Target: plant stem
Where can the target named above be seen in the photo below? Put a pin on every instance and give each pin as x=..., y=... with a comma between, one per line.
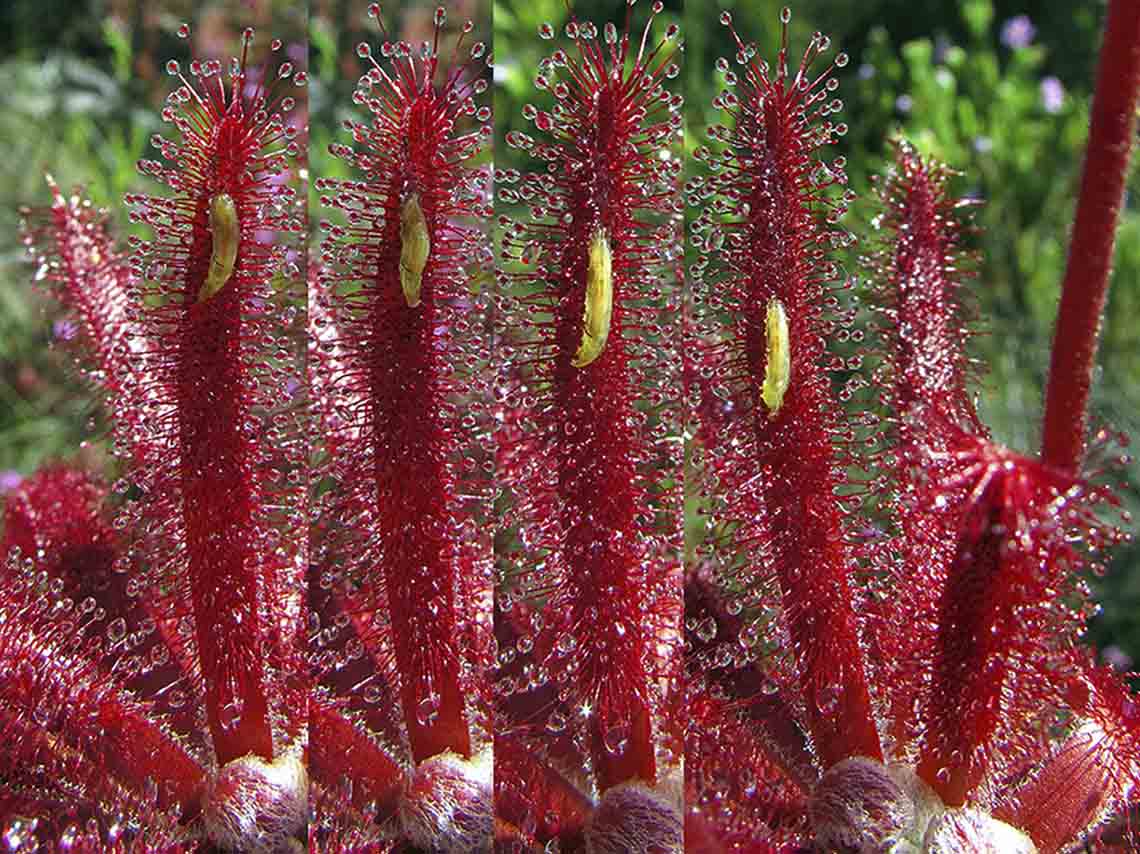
x=1085, y=288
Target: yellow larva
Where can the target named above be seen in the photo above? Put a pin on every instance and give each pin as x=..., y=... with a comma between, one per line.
x=224, y=234
x=415, y=246
x=778, y=370
x=599, y=301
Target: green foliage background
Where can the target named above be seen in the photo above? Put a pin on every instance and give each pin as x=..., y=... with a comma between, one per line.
x=83, y=83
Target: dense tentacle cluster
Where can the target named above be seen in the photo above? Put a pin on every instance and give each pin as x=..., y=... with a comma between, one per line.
x=221, y=442
x=404, y=555
x=102, y=727
x=768, y=303
x=997, y=734
x=877, y=647
x=919, y=270
x=76, y=255
x=586, y=402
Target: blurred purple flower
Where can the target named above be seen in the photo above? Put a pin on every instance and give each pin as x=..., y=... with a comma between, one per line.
x=866, y=71
x=904, y=103
x=9, y=480
x=983, y=144
x=63, y=330
x=1052, y=94
x=1116, y=658
x=1018, y=32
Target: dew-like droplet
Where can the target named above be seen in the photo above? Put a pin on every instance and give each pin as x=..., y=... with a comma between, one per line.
x=19, y=834
x=616, y=739
x=556, y=723
x=116, y=630
x=230, y=714
x=827, y=700
x=183, y=31
x=428, y=709
x=172, y=67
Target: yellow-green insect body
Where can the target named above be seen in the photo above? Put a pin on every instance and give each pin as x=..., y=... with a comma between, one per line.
x=225, y=233
x=599, y=306
x=415, y=246
x=778, y=369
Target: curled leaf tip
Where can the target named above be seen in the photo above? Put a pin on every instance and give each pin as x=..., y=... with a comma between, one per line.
x=415, y=246
x=599, y=301
x=224, y=233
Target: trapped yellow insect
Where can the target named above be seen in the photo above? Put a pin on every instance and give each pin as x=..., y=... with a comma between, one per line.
x=225, y=234
x=599, y=301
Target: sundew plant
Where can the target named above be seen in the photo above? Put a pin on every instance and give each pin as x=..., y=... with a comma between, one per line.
x=882, y=633
x=543, y=460
x=154, y=678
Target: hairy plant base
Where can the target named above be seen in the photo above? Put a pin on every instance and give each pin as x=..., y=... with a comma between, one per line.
x=448, y=805
x=634, y=818
x=864, y=806
x=257, y=806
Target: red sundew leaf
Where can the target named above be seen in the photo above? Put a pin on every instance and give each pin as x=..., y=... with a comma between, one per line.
x=592, y=525
x=58, y=518
x=739, y=793
x=342, y=754
x=765, y=262
x=1087, y=778
x=531, y=794
x=74, y=251
x=919, y=270
x=70, y=730
x=55, y=518
x=218, y=514
x=757, y=703
x=401, y=379
x=1003, y=625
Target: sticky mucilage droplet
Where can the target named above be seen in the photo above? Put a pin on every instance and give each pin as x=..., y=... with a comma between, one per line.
x=224, y=234
x=778, y=368
x=599, y=301
x=415, y=246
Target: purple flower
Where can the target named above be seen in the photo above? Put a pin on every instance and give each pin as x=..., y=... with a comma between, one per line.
x=1052, y=94
x=904, y=103
x=63, y=330
x=9, y=480
x=1116, y=658
x=1018, y=32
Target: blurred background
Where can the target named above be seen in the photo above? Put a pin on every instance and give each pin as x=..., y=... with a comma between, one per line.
x=999, y=89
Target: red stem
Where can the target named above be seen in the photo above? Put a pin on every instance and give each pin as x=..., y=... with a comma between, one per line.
x=218, y=505
x=1085, y=289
